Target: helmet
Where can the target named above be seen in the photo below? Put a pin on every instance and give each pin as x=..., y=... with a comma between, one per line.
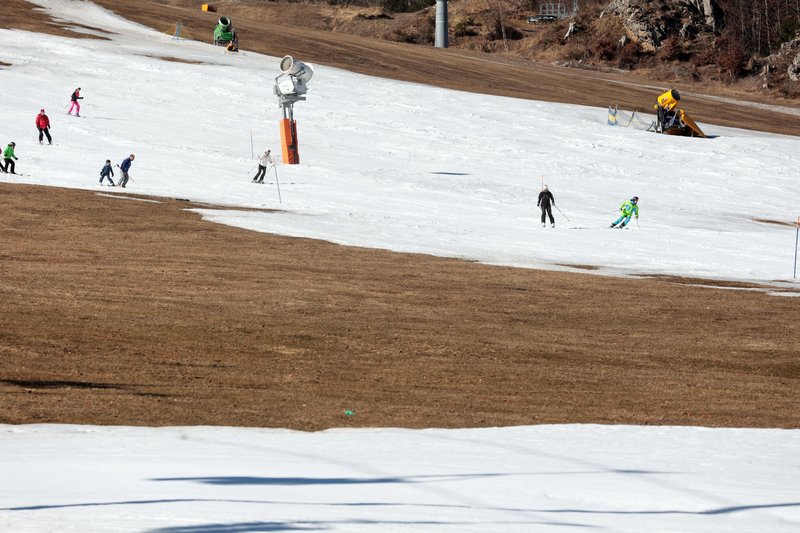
x=12, y=144
x=635, y=199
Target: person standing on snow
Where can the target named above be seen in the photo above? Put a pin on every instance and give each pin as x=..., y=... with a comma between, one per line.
x=264, y=162
x=545, y=197
x=76, y=95
x=107, y=172
x=43, y=125
x=124, y=167
x=8, y=158
x=627, y=210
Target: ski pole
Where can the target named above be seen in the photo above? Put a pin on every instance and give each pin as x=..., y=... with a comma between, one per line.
x=637, y=223
x=562, y=212
x=277, y=183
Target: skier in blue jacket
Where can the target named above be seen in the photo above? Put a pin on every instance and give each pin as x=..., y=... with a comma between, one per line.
x=107, y=172
x=124, y=167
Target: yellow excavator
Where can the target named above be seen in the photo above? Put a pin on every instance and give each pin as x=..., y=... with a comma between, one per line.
x=674, y=121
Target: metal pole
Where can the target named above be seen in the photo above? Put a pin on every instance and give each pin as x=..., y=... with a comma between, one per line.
x=796, y=237
x=252, y=150
x=440, y=40
x=277, y=183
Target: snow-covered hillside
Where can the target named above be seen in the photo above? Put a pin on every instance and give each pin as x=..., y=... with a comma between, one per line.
x=408, y=168
x=521, y=480
x=396, y=165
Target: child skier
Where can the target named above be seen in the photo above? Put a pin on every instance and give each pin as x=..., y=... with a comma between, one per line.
x=107, y=172
x=627, y=209
x=8, y=158
x=76, y=95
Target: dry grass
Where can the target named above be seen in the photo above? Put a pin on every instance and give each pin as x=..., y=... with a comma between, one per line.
x=22, y=15
x=124, y=312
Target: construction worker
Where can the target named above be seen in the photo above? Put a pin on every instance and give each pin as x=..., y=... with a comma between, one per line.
x=666, y=109
x=627, y=210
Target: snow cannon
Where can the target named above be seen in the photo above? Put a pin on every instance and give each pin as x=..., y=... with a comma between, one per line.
x=296, y=76
x=669, y=100
x=225, y=35
x=674, y=121
x=290, y=87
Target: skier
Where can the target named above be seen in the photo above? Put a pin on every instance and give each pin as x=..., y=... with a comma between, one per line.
x=8, y=158
x=107, y=172
x=545, y=197
x=43, y=125
x=264, y=163
x=124, y=167
x=627, y=209
x=76, y=95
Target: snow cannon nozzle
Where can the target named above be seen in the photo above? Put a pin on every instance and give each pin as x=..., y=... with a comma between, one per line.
x=225, y=22
x=675, y=94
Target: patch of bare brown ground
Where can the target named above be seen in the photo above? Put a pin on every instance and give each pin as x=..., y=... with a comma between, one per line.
x=124, y=312
x=22, y=15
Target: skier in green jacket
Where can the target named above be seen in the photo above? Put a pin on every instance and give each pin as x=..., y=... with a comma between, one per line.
x=8, y=158
x=627, y=210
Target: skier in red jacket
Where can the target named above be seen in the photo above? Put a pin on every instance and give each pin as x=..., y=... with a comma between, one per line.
x=43, y=125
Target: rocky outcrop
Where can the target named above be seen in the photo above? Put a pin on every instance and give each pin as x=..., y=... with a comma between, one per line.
x=792, y=51
x=794, y=69
x=650, y=22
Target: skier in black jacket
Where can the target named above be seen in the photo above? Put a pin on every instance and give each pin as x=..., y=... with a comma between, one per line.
x=545, y=197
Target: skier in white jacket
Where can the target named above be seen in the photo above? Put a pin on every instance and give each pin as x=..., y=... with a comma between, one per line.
x=265, y=162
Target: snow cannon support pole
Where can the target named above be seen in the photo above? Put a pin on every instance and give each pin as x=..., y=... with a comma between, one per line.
x=291, y=156
x=796, y=239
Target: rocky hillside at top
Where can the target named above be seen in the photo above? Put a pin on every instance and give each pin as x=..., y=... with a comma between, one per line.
x=756, y=48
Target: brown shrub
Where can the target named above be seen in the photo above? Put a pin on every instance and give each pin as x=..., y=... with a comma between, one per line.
x=731, y=56
x=671, y=50
x=629, y=55
x=604, y=49
x=465, y=27
x=789, y=89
